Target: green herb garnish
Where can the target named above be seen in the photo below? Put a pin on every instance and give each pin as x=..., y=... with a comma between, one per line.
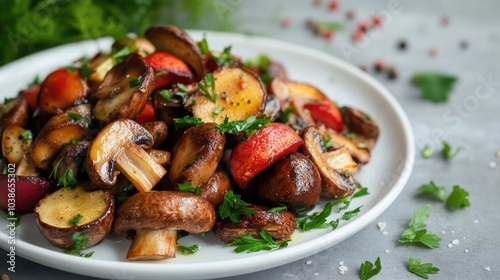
x=368, y=270
x=333, y=26
x=416, y=233
x=81, y=240
x=448, y=152
x=318, y=219
x=161, y=73
x=136, y=82
x=74, y=116
x=188, y=250
x=210, y=84
x=85, y=70
x=124, y=193
x=421, y=269
x=203, y=45
x=349, y=214
x=120, y=54
x=434, y=190
x=26, y=135
x=232, y=207
x=185, y=122
x=254, y=244
x=188, y=187
x=68, y=178
x=328, y=142
x=251, y=125
x=75, y=220
x=218, y=110
x=458, y=198
x=435, y=87
x=286, y=114
x=427, y=152
x=277, y=209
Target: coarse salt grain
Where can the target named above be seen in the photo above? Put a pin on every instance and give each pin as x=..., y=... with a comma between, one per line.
x=452, y=231
x=467, y=250
x=487, y=268
x=341, y=263
x=493, y=164
x=455, y=241
x=450, y=245
x=476, y=221
x=385, y=232
x=387, y=251
x=382, y=225
x=343, y=269
x=443, y=232
x=316, y=273
x=309, y=262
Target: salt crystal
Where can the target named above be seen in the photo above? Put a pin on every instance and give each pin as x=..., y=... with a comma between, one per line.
x=487, y=268
x=382, y=225
x=450, y=245
x=343, y=268
x=476, y=221
x=493, y=164
x=387, y=251
x=316, y=273
x=452, y=231
x=455, y=241
x=467, y=250
x=465, y=238
x=443, y=232
x=341, y=263
x=385, y=232
x=309, y=262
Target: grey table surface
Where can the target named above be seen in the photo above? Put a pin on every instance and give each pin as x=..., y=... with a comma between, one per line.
x=470, y=119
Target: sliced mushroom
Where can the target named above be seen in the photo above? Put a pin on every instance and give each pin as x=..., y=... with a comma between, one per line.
x=14, y=144
x=359, y=152
x=71, y=158
x=238, y=94
x=66, y=211
x=173, y=40
x=14, y=112
x=334, y=183
x=365, y=128
x=125, y=90
x=26, y=167
x=196, y=155
x=61, y=129
x=158, y=130
x=116, y=150
x=294, y=181
x=341, y=160
x=153, y=218
x=141, y=45
x=216, y=187
x=161, y=157
x=280, y=225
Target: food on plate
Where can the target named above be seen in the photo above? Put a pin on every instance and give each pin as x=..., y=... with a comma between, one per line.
x=178, y=138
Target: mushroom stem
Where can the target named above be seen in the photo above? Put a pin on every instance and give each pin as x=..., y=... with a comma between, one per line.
x=141, y=169
x=153, y=245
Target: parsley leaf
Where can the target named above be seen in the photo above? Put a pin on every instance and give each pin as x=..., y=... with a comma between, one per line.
x=251, y=125
x=26, y=135
x=75, y=220
x=427, y=152
x=74, y=116
x=277, y=209
x=188, y=250
x=327, y=140
x=188, y=187
x=136, y=82
x=68, y=178
x=286, y=114
x=421, y=269
x=232, y=206
x=161, y=73
x=203, y=44
x=186, y=122
x=435, y=86
x=124, y=193
x=120, y=54
x=349, y=214
x=210, y=84
x=447, y=150
x=458, y=198
x=254, y=244
x=416, y=233
x=218, y=110
x=81, y=240
x=436, y=191
x=318, y=219
x=224, y=59
x=85, y=70
x=368, y=270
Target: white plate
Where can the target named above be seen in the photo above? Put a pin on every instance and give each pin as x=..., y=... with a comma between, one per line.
x=385, y=176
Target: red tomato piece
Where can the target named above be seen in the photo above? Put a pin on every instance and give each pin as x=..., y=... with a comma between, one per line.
x=326, y=112
x=169, y=69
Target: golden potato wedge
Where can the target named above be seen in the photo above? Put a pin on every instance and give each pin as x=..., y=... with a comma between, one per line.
x=14, y=144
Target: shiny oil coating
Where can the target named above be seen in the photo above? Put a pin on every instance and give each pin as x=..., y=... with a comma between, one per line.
x=164, y=210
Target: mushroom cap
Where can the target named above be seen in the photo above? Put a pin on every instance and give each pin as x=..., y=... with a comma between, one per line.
x=164, y=210
x=108, y=144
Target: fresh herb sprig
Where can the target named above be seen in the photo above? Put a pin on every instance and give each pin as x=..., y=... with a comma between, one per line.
x=188, y=250
x=81, y=240
x=188, y=187
x=75, y=220
x=368, y=269
x=249, y=126
x=448, y=152
x=421, y=269
x=458, y=198
x=232, y=207
x=416, y=233
x=431, y=188
x=252, y=244
x=318, y=219
x=350, y=214
x=435, y=86
x=185, y=122
x=209, y=88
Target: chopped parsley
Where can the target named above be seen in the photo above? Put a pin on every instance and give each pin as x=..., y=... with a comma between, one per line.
x=251, y=125
x=286, y=114
x=26, y=135
x=232, y=207
x=277, y=209
x=188, y=187
x=328, y=142
x=120, y=54
x=458, y=198
x=136, y=82
x=318, y=219
x=218, y=110
x=72, y=141
x=434, y=190
x=262, y=63
x=85, y=70
x=254, y=244
x=350, y=214
x=68, y=178
x=203, y=44
x=210, y=84
x=74, y=116
x=435, y=86
x=161, y=73
x=448, y=152
x=75, y=220
x=81, y=240
x=416, y=233
x=368, y=270
x=185, y=122
x=188, y=250
x=124, y=193
x=421, y=269
x=427, y=152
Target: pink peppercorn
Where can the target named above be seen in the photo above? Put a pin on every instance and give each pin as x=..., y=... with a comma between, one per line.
x=333, y=5
x=318, y=2
x=357, y=35
x=285, y=22
x=377, y=20
x=328, y=34
x=433, y=51
x=363, y=25
x=379, y=65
